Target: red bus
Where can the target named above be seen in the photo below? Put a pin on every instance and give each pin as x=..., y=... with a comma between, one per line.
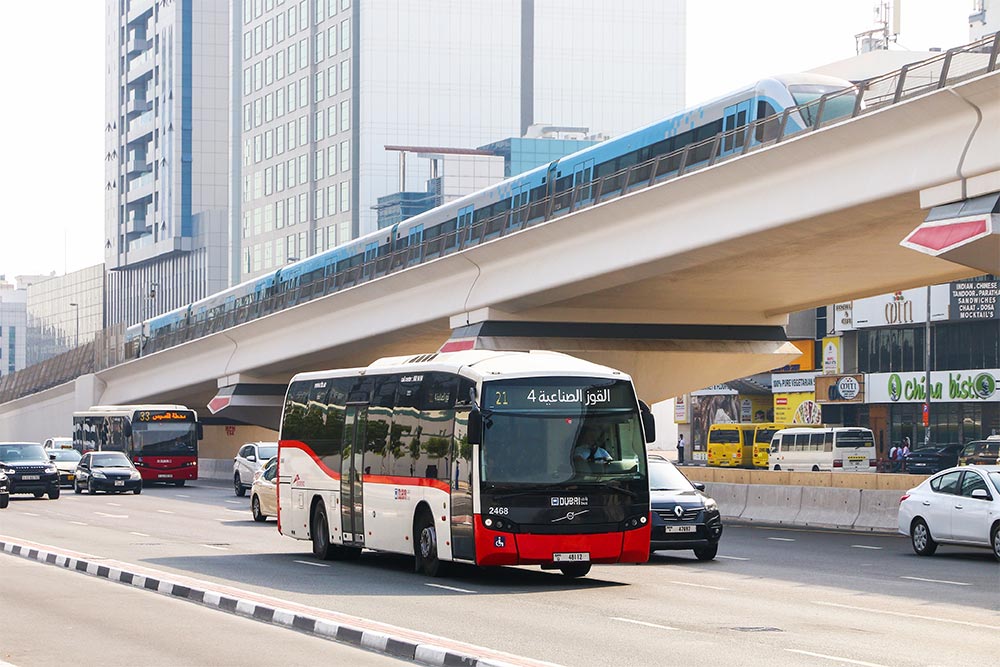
x=491, y=458
x=161, y=440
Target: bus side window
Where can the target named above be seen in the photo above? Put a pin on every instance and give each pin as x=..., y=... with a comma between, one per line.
x=788, y=442
x=828, y=441
x=802, y=442
x=816, y=442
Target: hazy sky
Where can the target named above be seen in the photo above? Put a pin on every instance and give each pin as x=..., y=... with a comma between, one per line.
x=53, y=109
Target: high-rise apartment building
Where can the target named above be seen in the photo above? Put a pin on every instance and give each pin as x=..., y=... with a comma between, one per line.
x=168, y=72
x=13, y=327
x=326, y=85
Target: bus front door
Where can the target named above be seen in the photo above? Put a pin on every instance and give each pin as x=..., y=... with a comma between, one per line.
x=352, y=476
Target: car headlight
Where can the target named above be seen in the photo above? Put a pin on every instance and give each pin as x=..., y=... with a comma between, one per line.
x=9, y=471
x=135, y=475
x=51, y=469
x=98, y=474
x=711, y=505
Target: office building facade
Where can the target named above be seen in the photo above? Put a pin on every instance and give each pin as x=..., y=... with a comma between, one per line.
x=64, y=312
x=326, y=85
x=168, y=69
x=13, y=327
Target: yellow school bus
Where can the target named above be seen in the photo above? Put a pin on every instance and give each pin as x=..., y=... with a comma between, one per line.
x=731, y=445
x=762, y=435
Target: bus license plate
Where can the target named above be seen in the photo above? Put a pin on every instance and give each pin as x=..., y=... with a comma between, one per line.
x=119, y=482
x=167, y=476
x=679, y=529
x=574, y=557
x=30, y=477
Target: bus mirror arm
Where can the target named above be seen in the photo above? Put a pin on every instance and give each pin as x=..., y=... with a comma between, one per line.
x=201, y=431
x=648, y=422
x=127, y=428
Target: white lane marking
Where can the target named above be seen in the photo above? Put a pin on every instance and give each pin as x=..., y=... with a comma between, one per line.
x=30, y=514
x=230, y=509
x=835, y=658
x=180, y=495
x=970, y=624
x=937, y=581
x=164, y=511
x=732, y=558
x=214, y=546
x=114, y=504
x=139, y=534
x=234, y=502
x=648, y=625
x=450, y=588
x=79, y=523
x=305, y=562
x=781, y=539
x=688, y=583
x=865, y=546
x=112, y=516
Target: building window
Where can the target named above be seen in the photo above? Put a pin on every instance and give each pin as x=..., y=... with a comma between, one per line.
x=292, y=58
x=345, y=196
x=319, y=209
x=345, y=34
x=303, y=168
x=331, y=163
x=303, y=208
x=303, y=129
x=345, y=155
x=331, y=40
x=331, y=201
x=318, y=87
x=345, y=75
x=292, y=97
x=303, y=14
x=319, y=164
x=331, y=120
x=345, y=115
x=320, y=47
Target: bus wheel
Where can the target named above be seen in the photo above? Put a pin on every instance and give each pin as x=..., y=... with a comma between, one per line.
x=575, y=570
x=425, y=546
x=777, y=467
x=179, y=482
x=322, y=549
x=815, y=468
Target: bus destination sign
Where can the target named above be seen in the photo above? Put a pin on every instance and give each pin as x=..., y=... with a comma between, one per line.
x=164, y=416
x=535, y=395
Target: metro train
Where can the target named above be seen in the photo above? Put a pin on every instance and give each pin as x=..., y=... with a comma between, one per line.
x=763, y=99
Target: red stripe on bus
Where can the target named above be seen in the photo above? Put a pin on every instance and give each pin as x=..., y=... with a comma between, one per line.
x=407, y=481
x=296, y=444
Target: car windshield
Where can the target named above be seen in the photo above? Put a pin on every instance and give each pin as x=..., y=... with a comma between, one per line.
x=987, y=449
x=26, y=453
x=59, y=443
x=267, y=451
x=64, y=455
x=995, y=478
x=663, y=476
x=560, y=430
x=110, y=460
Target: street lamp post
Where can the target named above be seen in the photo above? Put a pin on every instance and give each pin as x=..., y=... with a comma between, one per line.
x=76, y=307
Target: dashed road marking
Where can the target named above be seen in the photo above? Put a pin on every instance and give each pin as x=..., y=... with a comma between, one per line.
x=781, y=539
x=865, y=546
x=970, y=624
x=234, y=502
x=114, y=504
x=648, y=625
x=688, y=583
x=164, y=511
x=305, y=562
x=450, y=588
x=140, y=534
x=732, y=558
x=79, y=523
x=937, y=581
x=835, y=658
x=215, y=546
x=112, y=516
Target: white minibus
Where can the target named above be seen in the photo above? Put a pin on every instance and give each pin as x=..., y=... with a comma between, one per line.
x=837, y=448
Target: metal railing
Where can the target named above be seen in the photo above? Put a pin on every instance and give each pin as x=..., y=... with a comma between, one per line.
x=945, y=69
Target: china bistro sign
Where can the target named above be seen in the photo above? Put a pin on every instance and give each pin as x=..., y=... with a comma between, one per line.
x=947, y=386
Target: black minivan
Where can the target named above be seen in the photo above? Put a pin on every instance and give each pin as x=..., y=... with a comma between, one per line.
x=28, y=469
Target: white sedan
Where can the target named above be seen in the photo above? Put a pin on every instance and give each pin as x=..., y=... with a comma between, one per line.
x=264, y=492
x=956, y=506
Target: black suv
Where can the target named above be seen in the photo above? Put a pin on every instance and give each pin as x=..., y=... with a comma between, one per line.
x=933, y=458
x=28, y=469
x=683, y=516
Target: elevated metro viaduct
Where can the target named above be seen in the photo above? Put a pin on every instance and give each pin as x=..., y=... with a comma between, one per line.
x=682, y=284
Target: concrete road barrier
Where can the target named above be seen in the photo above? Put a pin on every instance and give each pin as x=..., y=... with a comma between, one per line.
x=829, y=508
x=879, y=511
x=732, y=498
x=777, y=505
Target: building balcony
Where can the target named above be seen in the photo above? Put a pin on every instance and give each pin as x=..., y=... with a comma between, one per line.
x=139, y=9
x=136, y=105
x=139, y=189
x=140, y=127
x=140, y=67
x=137, y=45
x=137, y=165
x=136, y=226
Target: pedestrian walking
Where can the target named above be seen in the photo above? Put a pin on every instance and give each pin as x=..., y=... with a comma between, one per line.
x=680, y=448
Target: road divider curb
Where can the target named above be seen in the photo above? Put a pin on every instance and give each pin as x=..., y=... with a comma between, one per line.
x=406, y=644
x=861, y=510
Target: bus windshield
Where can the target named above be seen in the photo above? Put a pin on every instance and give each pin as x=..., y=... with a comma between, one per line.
x=165, y=439
x=724, y=435
x=764, y=435
x=560, y=431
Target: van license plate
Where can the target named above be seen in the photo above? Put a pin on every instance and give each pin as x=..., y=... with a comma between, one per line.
x=575, y=557
x=857, y=459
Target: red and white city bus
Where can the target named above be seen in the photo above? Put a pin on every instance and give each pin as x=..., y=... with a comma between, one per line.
x=492, y=458
x=161, y=440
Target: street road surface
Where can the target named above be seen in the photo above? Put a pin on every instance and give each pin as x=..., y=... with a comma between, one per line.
x=773, y=597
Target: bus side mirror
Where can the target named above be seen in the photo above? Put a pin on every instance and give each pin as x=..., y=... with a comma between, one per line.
x=201, y=432
x=648, y=422
x=475, y=430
